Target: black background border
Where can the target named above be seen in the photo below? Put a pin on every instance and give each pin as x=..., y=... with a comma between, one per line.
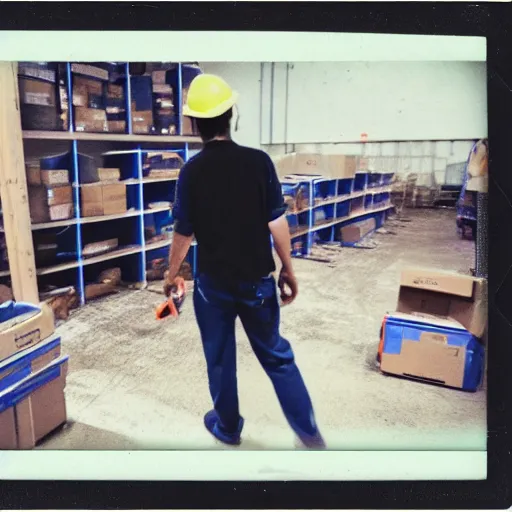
x=493, y=21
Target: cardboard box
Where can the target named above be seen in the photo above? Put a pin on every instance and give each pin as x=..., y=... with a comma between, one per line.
x=327, y=166
x=55, y=177
x=446, y=295
x=108, y=174
x=37, y=92
x=23, y=326
x=92, y=200
x=34, y=407
x=116, y=126
x=431, y=349
x=142, y=122
x=114, y=198
x=357, y=230
x=33, y=171
x=50, y=203
x=90, y=120
x=103, y=199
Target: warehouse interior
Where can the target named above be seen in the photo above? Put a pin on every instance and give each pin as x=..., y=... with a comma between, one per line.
x=374, y=160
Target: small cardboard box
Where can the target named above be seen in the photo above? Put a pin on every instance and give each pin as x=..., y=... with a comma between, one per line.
x=431, y=349
x=55, y=177
x=37, y=92
x=92, y=200
x=106, y=174
x=327, y=166
x=90, y=120
x=50, y=203
x=59, y=195
x=33, y=407
x=446, y=295
x=354, y=232
x=114, y=198
x=33, y=171
x=23, y=326
x=103, y=199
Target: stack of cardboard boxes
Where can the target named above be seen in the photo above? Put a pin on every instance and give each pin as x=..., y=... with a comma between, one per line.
x=99, y=105
x=50, y=193
x=43, y=96
x=32, y=376
x=437, y=332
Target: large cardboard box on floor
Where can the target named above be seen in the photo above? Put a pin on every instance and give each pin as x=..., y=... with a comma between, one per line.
x=327, y=166
x=354, y=232
x=33, y=407
x=434, y=334
x=22, y=326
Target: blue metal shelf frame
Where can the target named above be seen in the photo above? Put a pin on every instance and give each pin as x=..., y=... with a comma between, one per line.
x=340, y=206
x=136, y=172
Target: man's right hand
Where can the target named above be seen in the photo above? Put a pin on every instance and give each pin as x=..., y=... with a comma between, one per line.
x=288, y=279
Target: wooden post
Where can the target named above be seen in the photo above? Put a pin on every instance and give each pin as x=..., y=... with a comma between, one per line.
x=13, y=190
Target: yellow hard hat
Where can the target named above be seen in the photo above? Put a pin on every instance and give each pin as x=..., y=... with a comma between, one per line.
x=209, y=96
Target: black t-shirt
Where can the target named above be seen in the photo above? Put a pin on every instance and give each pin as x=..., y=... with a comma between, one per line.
x=226, y=196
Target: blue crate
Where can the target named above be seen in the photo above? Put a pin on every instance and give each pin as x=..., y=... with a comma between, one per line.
x=19, y=366
x=374, y=179
x=368, y=201
x=13, y=395
x=397, y=328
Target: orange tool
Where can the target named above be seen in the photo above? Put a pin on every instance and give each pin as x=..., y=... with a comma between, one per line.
x=172, y=306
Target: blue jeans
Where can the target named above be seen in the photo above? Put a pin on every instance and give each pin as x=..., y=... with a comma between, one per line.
x=217, y=305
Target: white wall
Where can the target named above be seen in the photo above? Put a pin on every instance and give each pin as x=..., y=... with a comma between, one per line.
x=390, y=101
x=331, y=103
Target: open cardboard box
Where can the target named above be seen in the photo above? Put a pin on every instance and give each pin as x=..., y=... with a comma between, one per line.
x=433, y=334
x=446, y=295
x=22, y=326
x=33, y=407
x=328, y=166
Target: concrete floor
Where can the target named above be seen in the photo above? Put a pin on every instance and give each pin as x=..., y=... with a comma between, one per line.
x=138, y=384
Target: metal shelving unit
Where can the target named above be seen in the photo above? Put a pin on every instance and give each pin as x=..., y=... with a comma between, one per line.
x=132, y=257
x=334, y=203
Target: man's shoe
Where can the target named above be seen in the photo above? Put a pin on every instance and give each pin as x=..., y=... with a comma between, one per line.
x=315, y=442
x=211, y=422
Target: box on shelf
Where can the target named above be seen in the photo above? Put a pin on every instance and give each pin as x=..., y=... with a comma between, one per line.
x=33, y=407
x=90, y=71
x=327, y=166
x=103, y=199
x=114, y=198
x=55, y=177
x=33, y=171
x=50, y=203
x=354, y=232
x=142, y=122
x=39, y=70
x=116, y=126
x=431, y=349
x=90, y=120
x=109, y=174
x=22, y=326
x=37, y=92
x=40, y=117
x=95, y=248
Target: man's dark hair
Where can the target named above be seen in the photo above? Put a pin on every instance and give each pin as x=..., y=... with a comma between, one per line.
x=214, y=127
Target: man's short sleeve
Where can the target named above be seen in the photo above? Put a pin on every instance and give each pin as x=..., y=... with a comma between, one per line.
x=276, y=206
x=182, y=208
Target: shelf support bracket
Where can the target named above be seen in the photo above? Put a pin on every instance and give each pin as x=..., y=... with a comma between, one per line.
x=13, y=190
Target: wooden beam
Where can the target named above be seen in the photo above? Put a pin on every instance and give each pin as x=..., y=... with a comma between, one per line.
x=13, y=189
